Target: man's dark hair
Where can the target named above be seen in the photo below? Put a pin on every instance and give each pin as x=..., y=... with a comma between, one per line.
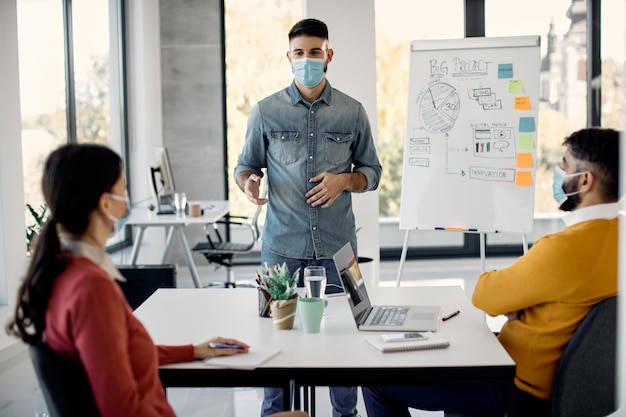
x=599, y=148
x=309, y=27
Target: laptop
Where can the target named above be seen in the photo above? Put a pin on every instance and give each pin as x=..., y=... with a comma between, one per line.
x=379, y=317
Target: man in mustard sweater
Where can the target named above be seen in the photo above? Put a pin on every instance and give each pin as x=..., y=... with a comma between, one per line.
x=545, y=294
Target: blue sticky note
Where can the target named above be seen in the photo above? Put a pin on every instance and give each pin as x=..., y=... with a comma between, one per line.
x=526, y=124
x=505, y=70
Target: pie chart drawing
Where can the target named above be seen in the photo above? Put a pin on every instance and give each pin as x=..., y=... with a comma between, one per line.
x=439, y=108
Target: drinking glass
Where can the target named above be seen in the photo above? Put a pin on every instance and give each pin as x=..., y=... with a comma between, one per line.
x=315, y=281
x=180, y=202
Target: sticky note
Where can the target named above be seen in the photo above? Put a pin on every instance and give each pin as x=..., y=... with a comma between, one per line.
x=525, y=160
x=524, y=179
x=516, y=86
x=526, y=141
x=526, y=124
x=505, y=70
x=522, y=103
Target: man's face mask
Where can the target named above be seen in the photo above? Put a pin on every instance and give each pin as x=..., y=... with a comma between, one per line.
x=558, y=191
x=308, y=71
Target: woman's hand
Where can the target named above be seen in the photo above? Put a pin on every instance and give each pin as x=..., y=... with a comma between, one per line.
x=203, y=350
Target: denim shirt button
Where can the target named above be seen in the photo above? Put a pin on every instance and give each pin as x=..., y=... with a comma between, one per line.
x=310, y=156
x=314, y=228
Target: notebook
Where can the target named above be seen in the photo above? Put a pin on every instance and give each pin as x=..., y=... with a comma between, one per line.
x=379, y=317
x=251, y=360
x=387, y=347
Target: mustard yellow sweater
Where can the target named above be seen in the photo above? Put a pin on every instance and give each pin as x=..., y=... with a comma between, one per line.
x=554, y=285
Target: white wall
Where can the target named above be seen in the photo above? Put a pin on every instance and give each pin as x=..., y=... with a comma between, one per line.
x=12, y=233
x=351, y=32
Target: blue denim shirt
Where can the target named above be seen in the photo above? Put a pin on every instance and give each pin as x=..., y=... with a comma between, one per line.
x=296, y=141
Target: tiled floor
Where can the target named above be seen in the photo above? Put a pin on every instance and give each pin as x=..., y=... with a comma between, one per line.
x=20, y=396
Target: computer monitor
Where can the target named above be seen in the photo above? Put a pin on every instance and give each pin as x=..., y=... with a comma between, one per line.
x=163, y=182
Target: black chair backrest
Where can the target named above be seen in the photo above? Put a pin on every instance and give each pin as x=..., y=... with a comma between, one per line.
x=143, y=280
x=64, y=384
x=585, y=379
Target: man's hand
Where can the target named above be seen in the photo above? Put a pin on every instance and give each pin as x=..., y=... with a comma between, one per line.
x=329, y=188
x=252, y=189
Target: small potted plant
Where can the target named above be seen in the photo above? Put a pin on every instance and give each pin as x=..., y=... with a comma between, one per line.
x=277, y=289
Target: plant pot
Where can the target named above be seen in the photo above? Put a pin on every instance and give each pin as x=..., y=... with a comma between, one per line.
x=284, y=313
x=264, y=304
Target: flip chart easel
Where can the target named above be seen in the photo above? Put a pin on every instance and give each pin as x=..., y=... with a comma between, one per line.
x=405, y=247
x=470, y=148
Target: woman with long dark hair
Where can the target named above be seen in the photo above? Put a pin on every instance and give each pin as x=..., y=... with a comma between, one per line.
x=68, y=299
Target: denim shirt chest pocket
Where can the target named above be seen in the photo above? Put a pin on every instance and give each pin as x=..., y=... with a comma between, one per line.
x=338, y=147
x=283, y=145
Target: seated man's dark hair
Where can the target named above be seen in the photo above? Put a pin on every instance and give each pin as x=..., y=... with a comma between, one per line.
x=599, y=147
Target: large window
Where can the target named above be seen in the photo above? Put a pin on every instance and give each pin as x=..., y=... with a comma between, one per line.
x=564, y=82
x=256, y=66
x=398, y=22
x=562, y=25
x=70, y=81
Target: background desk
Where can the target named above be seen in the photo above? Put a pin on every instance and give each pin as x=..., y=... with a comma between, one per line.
x=338, y=355
x=142, y=218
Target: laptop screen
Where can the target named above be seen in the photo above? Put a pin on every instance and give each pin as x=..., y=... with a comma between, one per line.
x=352, y=280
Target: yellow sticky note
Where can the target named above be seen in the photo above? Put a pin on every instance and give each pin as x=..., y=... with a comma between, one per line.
x=525, y=160
x=523, y=179
x=516, y=86
x=522, y=103
x=526, y=141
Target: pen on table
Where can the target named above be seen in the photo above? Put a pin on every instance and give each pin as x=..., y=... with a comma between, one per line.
x=449, y=316
x=224, y=346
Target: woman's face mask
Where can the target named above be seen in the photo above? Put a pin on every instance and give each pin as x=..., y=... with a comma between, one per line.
x=121, y=222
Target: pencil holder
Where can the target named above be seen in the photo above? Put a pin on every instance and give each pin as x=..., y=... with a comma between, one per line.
x=264, y=304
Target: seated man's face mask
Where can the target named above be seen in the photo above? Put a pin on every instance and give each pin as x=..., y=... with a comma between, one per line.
x=558, y=190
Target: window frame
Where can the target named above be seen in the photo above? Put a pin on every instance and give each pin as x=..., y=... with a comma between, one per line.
x=117, y=47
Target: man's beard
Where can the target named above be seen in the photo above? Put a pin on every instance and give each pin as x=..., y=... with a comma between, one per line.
x=572, y=200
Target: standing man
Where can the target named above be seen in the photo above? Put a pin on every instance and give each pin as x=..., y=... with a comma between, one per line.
x=316, y=144
x=545, y=294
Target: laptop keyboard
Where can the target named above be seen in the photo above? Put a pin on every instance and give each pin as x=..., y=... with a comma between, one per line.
x=390, y=316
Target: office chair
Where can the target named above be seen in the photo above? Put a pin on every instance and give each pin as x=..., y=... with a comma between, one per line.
x=143, y=280
x=584, y=384
x=63, y=382
x=221, y=252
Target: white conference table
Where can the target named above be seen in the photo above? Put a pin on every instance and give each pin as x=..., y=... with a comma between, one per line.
x=338, y=355
x=142, y=218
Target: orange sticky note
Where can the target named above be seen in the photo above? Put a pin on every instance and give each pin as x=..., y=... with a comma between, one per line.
x=522, y=103
x=523, y=179
x=525, y=160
